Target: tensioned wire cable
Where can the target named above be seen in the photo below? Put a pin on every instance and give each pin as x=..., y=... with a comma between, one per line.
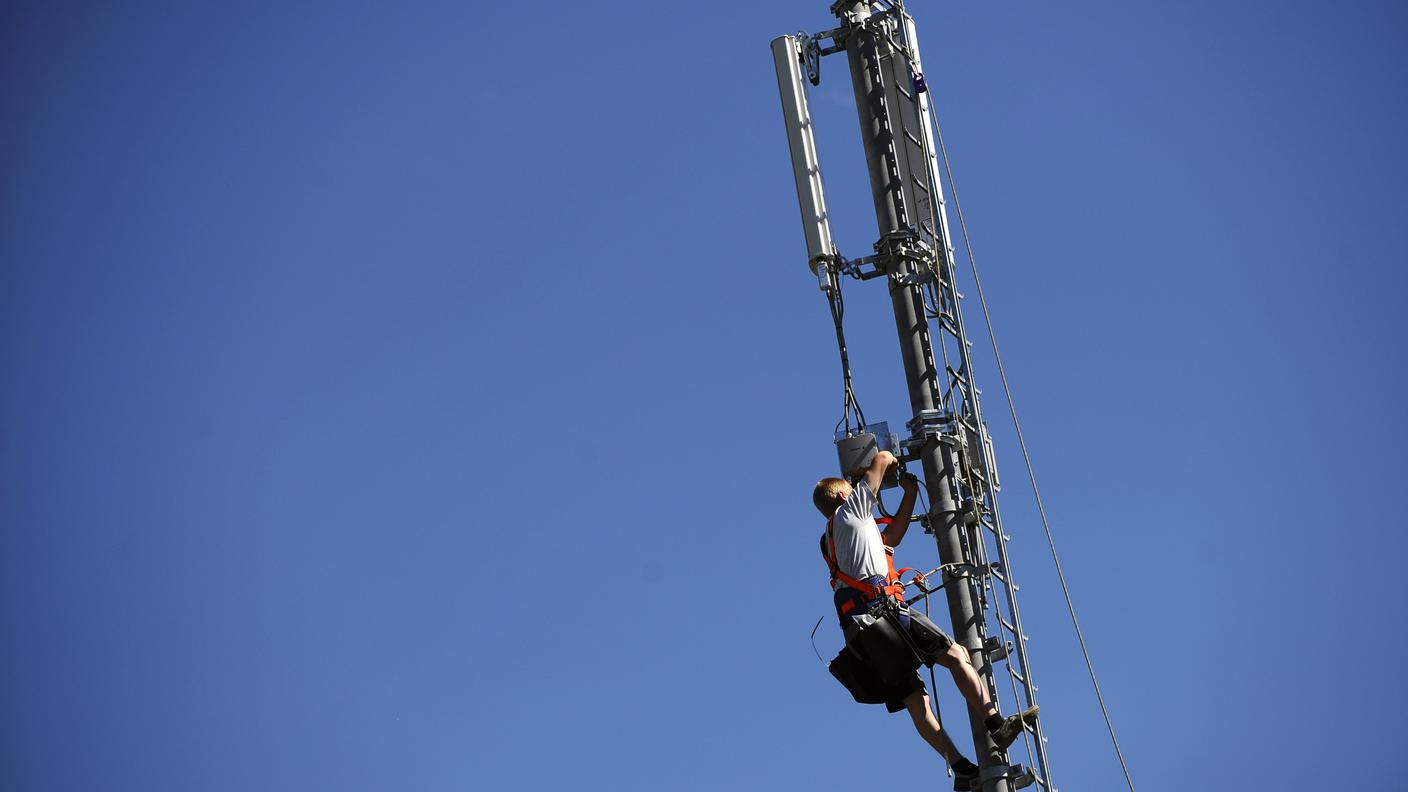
x=933, y=680
x=1022, y=443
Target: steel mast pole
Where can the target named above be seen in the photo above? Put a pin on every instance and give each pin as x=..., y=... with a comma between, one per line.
x=901, y=249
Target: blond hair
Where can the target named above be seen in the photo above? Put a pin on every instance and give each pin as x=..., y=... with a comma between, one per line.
x=827, y=495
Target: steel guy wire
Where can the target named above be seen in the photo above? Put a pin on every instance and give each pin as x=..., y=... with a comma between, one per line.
x=1026, y=457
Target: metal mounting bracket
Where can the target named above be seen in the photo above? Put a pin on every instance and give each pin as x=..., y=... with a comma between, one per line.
x=813, y=51
x=996, y=649
x=928, y=424
x=914, y=278
x=1017, y=776
x=856, y=267
x=970, y=571
x=811, y=58
x=898, y=247
x=923, y=520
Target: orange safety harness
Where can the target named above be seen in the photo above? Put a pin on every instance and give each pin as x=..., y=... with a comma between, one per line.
x=892, y=586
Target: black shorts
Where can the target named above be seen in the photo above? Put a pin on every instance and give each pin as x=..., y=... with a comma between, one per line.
x=865, y=684
x=930, y=639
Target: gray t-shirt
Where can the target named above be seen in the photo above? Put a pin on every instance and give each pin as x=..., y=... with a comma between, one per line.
x=860, y=552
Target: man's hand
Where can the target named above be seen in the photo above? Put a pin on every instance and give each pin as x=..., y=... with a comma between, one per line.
x=909, y=483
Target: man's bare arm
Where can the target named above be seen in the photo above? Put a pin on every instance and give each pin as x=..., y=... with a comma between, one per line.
x=900, y=522
x=875, y=474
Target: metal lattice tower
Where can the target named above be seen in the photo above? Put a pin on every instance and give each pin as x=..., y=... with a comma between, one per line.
x=914, y=254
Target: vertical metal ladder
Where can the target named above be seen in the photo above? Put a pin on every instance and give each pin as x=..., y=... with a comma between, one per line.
x=913, y=170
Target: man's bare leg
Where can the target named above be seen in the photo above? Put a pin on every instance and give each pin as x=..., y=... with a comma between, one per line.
x=970, y=685
x=917, y=703
x=1003, y=730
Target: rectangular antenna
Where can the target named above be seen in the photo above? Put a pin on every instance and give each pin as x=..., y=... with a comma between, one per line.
x=806, y=168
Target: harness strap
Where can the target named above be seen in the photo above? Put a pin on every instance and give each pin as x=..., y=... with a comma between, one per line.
x=892, y=587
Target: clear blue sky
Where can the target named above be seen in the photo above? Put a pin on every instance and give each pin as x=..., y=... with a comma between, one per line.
x=426, y=396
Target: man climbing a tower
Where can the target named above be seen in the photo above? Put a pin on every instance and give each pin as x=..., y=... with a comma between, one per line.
x=863, y=577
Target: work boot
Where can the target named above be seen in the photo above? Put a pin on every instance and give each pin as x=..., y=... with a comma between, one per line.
x=1011, y=728
x=965, y=775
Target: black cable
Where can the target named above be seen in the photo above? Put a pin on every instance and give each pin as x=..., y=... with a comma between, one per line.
x=814, y=649
x=837, y=303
